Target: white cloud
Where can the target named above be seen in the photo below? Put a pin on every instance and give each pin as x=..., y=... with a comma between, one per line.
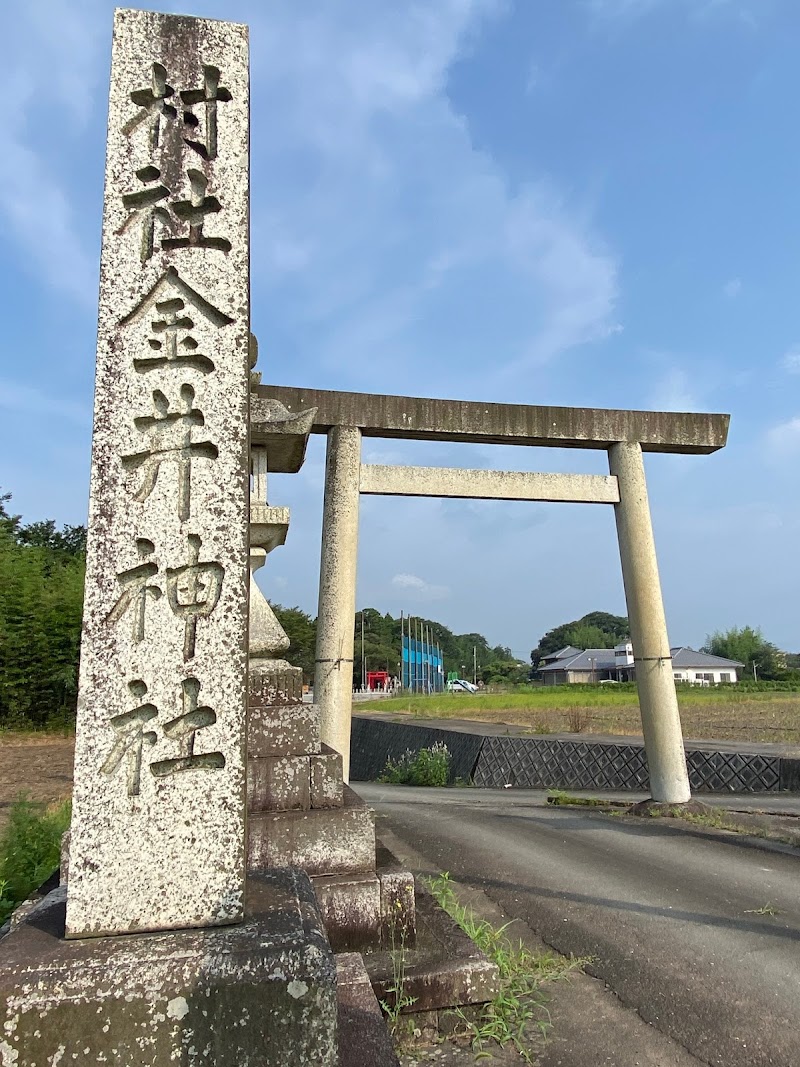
x=791, y=359
x=674, y=392
x=398, y=218
x=783, y=440
x=732, y=288
x=49, y=83
x=419, y=588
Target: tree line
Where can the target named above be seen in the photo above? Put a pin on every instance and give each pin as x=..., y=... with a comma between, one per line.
x=381, y=635
x=41, y=601
x=42, y=572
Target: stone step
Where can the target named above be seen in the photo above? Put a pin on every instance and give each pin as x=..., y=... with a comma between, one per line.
x=350, y=905
x=363, y=1036
x=444, y=968
x=321, y=841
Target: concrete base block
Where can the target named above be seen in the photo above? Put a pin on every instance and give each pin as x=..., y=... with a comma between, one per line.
x=279, y=783
x=326, y=841
x=398, y=906
x=282, y=730
x=363, y=1036
x=326, y=779
x=260, y=994
x=350, y=905
x=443, y=969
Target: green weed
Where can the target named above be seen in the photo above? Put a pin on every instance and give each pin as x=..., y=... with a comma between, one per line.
x=519, y=1003
x=30, y=849
x=429, y=766
x=399, y=1000
x=766, y=909
x=561, y=799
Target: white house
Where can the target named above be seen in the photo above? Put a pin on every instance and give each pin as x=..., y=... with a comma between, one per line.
x=572, y=665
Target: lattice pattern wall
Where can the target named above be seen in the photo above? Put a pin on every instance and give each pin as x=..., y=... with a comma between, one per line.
x=547, y=763
x=373, y=742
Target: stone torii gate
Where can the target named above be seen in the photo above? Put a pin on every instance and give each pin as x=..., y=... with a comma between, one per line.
x=625, y=435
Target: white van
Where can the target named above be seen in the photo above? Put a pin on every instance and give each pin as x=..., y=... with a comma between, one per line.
x=461, y=685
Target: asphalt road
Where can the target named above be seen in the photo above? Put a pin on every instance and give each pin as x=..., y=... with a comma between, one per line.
x=698, y=933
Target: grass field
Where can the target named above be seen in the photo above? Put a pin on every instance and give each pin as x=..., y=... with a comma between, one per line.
x=705, y=713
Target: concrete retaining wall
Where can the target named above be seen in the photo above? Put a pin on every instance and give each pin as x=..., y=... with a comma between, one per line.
x=550, y=763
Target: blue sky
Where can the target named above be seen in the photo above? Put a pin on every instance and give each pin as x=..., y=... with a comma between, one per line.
x=577, y=202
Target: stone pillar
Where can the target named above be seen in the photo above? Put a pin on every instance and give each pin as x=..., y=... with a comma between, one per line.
x=661, y=725
x=158, y=825
x=333, y=675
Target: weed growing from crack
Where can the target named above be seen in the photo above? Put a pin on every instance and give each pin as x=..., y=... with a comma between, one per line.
x=399, y=999
x=560, y=798
x=519, y=1002
x=765, y=909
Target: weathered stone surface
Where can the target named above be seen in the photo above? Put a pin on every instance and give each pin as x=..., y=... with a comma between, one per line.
x=260, y=994
x=326, y=779
x=158, y=818
x=282, y=730
x=63, y=865
x=350, y=905
x=284, y=435
x=333, y=670
x=364, y=1039
x=332, y=841
x=658, y=700
x=266, y=636
x=398, y=906
x=278, y=783
x=275, y=682
x=379, y=480
x=269, y=526
x=419, y=418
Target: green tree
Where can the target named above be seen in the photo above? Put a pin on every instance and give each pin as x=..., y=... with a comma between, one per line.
x=748, y=646
x=41, y=601
x=301, y=630
x=598, y=629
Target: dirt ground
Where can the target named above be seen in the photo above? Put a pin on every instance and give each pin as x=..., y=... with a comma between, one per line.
x=39, y=766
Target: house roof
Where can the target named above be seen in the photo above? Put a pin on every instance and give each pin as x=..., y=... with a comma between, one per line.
x=603, y=659
x=684, y=657
x=592, y=659
x=565, y=653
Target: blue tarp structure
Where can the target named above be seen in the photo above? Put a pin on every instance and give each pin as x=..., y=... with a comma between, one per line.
x=423, y=668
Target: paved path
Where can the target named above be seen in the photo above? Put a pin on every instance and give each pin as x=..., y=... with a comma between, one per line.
x=670, y=915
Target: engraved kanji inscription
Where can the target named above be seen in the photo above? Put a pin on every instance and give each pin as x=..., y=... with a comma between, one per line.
x=193, y=592
x=193, y=212
x=209, y=94
x=169, y=286
x=137, y=589
x=131, y=739
x=173, y=340
x=184, y=729
x=147, y=208
x=154, y=107
x=170, y=434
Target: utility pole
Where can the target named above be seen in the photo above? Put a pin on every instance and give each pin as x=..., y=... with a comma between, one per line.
x=474, y=665
x=363, y=672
